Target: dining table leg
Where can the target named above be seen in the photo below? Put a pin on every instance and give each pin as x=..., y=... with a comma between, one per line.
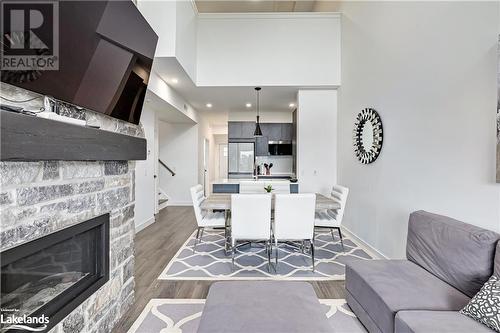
x=227, y=234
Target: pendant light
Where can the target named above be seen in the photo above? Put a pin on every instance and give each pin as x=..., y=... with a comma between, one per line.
x=257, y=131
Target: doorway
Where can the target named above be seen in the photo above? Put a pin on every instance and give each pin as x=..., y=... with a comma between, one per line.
x=223, y=160
x=206, y=159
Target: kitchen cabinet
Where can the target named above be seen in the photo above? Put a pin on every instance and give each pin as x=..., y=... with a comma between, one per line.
x=275, y=132
x=240, y=129
x=272, y=131
x=265, y=128
x=261, y=146
x=247, y=129
x=234, y=130
x=286, y=132
x=228, y=188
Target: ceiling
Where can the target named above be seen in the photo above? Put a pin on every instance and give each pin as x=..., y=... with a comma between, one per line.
x=209, y=6
x=223, y=99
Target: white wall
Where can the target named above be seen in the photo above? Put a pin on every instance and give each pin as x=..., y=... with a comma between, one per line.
x=268, y=49
x=178, y=148
x=265, y=116
x=186, y=35
x=144, y=173
x=161, y=16
x=317, y=140
x=175, y=22
x=429, y=69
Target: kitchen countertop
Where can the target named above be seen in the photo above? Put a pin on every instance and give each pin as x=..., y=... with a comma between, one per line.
x=237, y=181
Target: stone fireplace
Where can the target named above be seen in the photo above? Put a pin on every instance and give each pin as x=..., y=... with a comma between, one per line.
x=43, y=198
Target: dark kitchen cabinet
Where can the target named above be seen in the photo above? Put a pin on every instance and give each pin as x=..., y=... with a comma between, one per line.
x=247, y=129
x=272, y=131
x=265, y=128
x=234, y=130
x=240, y=129
x=261, y=146
x=275, y=133
x=287, y=132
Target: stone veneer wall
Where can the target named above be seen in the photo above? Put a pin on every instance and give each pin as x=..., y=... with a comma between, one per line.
x=39, y=198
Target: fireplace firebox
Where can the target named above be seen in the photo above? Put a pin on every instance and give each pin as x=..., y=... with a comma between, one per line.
x=50, y=276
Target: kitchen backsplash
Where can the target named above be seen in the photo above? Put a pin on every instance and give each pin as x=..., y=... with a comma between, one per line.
x=281, y=164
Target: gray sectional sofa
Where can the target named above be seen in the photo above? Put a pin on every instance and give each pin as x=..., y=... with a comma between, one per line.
x=448, y=262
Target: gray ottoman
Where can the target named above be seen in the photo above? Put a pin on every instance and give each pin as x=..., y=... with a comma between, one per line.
x=262, y=306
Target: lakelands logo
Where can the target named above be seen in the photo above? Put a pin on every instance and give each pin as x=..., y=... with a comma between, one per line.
x=30, y=35
x=26, y=323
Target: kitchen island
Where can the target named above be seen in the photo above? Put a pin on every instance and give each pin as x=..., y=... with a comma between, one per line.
x=233, y=185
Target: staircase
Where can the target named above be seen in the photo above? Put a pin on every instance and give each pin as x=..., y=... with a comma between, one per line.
x=162, y=199
x=162, y=196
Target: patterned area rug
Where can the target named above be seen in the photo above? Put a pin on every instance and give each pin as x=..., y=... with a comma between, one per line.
x=210, y=262
x=183, y=316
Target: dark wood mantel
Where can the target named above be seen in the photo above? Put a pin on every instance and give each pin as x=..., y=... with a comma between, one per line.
x=28, y=138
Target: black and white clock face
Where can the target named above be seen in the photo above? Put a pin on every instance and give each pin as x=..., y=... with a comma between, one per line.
x=368, y=136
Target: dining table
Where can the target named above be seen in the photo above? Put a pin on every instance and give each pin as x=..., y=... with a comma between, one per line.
x=222, y=202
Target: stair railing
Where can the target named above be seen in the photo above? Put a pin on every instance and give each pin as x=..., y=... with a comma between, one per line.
x=166, y=167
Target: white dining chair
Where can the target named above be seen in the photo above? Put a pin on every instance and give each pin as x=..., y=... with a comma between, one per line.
x=204, y=219
x=332, y=219
x=294, y=220
x=251, y=221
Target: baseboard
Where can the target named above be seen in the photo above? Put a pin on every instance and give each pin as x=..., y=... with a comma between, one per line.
x=144, y=224
x=364, y=245
x=179, y=203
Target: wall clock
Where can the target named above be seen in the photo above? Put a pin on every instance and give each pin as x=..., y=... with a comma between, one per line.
x=368, y=136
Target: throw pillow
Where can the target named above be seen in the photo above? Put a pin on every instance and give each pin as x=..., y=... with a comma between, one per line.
x=484, y=307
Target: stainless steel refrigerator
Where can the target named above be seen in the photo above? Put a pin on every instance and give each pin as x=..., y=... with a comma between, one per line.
x=241, y=157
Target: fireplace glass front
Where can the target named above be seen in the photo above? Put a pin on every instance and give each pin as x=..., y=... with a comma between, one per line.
x=54, y=274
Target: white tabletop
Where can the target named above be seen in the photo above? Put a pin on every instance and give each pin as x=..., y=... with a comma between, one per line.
x=223, y=202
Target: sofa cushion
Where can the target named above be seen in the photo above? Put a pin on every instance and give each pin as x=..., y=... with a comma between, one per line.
x=384, y=287
x=458, y=253
x=437, y=321
x=361, y=314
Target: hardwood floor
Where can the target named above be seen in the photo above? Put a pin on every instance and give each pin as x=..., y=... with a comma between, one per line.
x=154, y=248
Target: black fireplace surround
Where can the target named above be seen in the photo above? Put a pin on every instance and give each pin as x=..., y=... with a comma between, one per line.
x=54, y=274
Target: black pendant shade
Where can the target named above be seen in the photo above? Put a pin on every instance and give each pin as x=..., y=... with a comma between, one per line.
x=258, y=131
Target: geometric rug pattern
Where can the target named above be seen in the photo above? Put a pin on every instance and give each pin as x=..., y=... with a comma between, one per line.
x=183, y=316
x=210, y=262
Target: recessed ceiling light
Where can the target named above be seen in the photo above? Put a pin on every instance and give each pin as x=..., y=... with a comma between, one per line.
x=292, y=105
x=174, y=80
x=209, y=105
x=248, y=105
